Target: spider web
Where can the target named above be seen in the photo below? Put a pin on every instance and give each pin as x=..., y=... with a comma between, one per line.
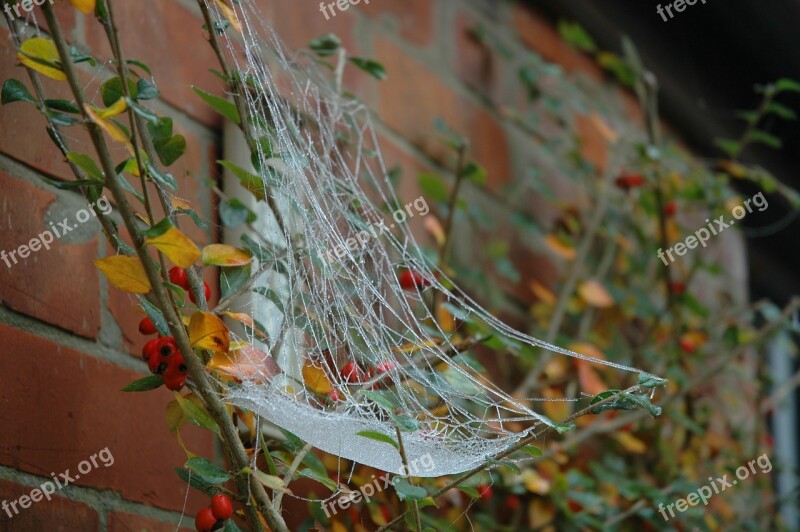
x=329, y=305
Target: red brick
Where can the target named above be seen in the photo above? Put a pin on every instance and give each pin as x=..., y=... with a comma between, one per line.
x=413, y=19
x=38, y=286
x=594, y=147
x=79, y=410
x=541, y=36
x=410, y=105
x=168, y=38
x=57, y=515
x=125, y=522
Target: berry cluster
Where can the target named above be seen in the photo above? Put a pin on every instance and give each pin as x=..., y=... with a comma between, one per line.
x=164, y=358
x=351, y=373
x=211, y=518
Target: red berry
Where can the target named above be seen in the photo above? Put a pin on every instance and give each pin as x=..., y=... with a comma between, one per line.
x=629, y=181
x=178, y=276
x=161, y=352
x=205, y=520
x=670, y=209
x=206, y=289
x=147, y=327
x=677, y=288
x=384, y=367
x=687, y=346
x=352, y=373
x=167, y=346
x=175, y=372
x=410, y=280
x=334, y=396
x=149, y=348
x=386, y=512
x=485, y=491
x=221, y=506
x=512, y=502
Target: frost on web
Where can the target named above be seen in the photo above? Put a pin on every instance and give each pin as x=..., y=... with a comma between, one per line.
x=318, y=154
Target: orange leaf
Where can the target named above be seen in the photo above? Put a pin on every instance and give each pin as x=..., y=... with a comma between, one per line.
x=247, y=363
x=315, y=378
x=125, y=273
x=542, y=293
x=595, y=294
x=207, y=331
x=224, y=255
x=85, y=6
x=433, y=226
x=113, y=130
x=589, y=380
x=228, y=13
x=241, y=317
x=630, y=442
x=560, y=249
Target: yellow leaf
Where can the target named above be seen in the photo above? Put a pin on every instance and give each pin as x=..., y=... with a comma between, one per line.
x=556, y=368
x=178, y=247
x=224, y=255
x=336, y=526
x=542, y=293
x=535, y=483
x=206, y=331
x=445, y=320
x=558, y=409
x=595, y=294
x=125, y=273
x=559, y=248
x=540, y=513
x=230, y=15
x=36, y=52
x=117, y=109
x=180, y=203
x=410, y=348
x=241, y=317
x=85, y=6
x=247, y=363
x=630, y=442
x=315, y=378
x=113, y=130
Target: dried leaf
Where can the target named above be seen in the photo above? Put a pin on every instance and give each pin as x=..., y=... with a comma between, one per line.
x=247, y=363
x=542, y=293
x=316, y=379
x=595, y=294
x=225, y=255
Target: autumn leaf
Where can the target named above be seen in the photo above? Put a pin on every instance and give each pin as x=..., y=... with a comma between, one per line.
x=535, y=483
x=630, y=442
x=247, y=363
x=109, y=112
x=246, y=319
x=170, y=241
x=125, y=273
x=112, y=129
x=595, y=294
x=207, y=331
x=228, y=13
x=85, y=6
x=433, y=227
x=559, y=248
x=542, y=293
x=315, y=378
x=225, y=256
x=41, y=55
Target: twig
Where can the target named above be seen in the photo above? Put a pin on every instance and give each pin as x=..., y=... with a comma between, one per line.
x=413, y=504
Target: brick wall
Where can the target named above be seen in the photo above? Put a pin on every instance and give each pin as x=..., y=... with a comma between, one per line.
x=69, y=341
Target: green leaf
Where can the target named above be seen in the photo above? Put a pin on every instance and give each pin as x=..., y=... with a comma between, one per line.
x=694, y=305
x=15, y=91
x=475, y=173
x=230, y=526
x=373, y=68
x=272, y=296
x=381, y=400
x=270, y=481
x=504, y=463
x=322, y=479
x=146, y=90
x=325, y=45
x=220, y=105
x=532, y=450
x=87, y=164
x=111, y=91
x=377, y=436
x=786, y=84
x=142, y=112
x=163, y=178
x=155, y=315
x=159, y=229
x=651, y=381
x=470, y=491
x=65, y=106
x=434, y=187
x=405, y=423
x=141, y=65
x=196, y=415
x=234, y=213
x=170, y=150
x=407, y=491
x=250, y=181
x=60, y=119
x=145, y=384
x=195, y=482
x=782, y=111
x=232, y=279
x=730, y=147
x=575, y=35
x=208, y=472
x=762, y=137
